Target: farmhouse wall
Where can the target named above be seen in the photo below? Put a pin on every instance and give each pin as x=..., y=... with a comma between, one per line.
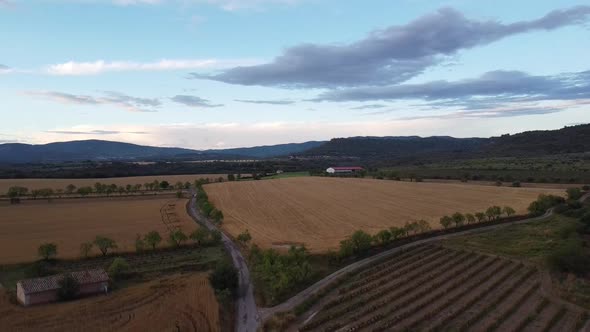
x=95, y=288
x=42, y=297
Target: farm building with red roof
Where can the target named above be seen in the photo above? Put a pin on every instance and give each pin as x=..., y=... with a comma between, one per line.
x=350, y=169
x=44, y=290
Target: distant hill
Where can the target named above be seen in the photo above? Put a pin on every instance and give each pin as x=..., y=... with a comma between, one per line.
x=573, y=139
x=97, y=150
x=269, y=151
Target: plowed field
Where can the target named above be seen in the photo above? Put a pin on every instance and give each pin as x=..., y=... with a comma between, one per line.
x=320, y=212
x=176, y=303
x=70, y=222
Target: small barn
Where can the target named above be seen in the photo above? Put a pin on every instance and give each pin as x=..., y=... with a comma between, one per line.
x=341, y=170
x=44, y=290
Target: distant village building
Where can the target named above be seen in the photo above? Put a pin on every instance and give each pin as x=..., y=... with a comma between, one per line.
x=340, y=170
x=44, y=290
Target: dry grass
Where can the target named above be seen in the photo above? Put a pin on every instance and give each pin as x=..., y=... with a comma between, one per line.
x=69, y=222
x=62, y=183
x=320, y=212
x=176, y=303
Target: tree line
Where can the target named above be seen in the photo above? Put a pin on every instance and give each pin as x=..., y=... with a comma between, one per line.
x=205, y=206
x=98, y=188
x=150, y=241
x=360, y=242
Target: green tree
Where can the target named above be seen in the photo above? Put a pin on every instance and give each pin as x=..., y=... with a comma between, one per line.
x=231, y=177
x=200, y=235
x=68, y=288
x=480, y=216
x=164, y=185
x=16, y=191
x=493, y=212
x=84, y=191
x=104, y=244
x=397, y=232
x=244, y=237
x=177, y=237
x=358, y=243
x=139, y=243
x=224, y=277
x=574, y=193
x=70, y=188
x=508, y=211
x=217, y=216
x=153, y=238
x=470, y=218
x=458, y=219
x=85, y=249
x=383, y=237
x=423, y=226
x=47, y=250
x=118, y=268
x=215, y=237
x=446, y=222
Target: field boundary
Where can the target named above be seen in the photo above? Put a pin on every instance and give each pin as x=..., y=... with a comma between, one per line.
x=325, y=282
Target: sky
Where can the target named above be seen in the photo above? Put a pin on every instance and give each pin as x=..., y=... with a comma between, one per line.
x=232, y=73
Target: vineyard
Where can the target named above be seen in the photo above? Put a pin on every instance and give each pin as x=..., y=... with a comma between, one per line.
x=431, y=288
x=174, y=303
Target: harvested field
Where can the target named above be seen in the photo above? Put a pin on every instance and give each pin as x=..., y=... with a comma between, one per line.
x=431, y=288
x=175, y=303
x=62, y=183
x=70, y=222
x=321, y=212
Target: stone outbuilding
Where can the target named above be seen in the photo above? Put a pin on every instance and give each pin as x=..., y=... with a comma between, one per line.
x=44, y=290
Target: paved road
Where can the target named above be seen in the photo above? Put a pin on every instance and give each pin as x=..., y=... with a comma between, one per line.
x=290, y=304
x=247, y=319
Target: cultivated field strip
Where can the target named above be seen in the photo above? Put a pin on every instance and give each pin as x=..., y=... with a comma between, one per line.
x=178, y=302
x=437, y=289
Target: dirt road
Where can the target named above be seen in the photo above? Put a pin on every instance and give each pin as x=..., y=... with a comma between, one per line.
x=247, y=318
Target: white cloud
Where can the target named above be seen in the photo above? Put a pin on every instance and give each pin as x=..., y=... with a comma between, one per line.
x=128, y=103
x=101, y=66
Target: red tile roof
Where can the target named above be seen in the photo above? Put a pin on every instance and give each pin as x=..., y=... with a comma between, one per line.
x=38, y=285
x=352, y=168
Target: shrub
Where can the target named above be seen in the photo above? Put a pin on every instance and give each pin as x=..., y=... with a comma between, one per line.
x=47, y=250
x=119, y=267
x=224, y=277
x=574, y=193
x=543, y=203
x=38, y=269
x=572, y=258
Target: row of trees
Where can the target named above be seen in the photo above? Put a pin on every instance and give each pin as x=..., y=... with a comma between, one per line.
x=206, y=207
x=151, y=240
x=98, y=188
x=492, y=213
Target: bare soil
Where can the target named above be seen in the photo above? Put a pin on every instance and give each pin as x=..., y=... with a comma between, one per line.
x=174, y=303
x=70, y=222
x=321, y=212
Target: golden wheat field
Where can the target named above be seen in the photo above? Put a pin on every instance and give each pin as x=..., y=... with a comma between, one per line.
x=62, y=183
x=174, y=303
x=320, y=212
x=70, y=222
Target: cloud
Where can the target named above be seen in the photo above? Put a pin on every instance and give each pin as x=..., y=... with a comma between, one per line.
x=368, y=107
x=228, y=5
x=193, y=101
x=483, y=92
x=5, y=69
x=95, y=132
x=129, y=103
x=269, y=102
x=388, y=56
x=100, y=66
